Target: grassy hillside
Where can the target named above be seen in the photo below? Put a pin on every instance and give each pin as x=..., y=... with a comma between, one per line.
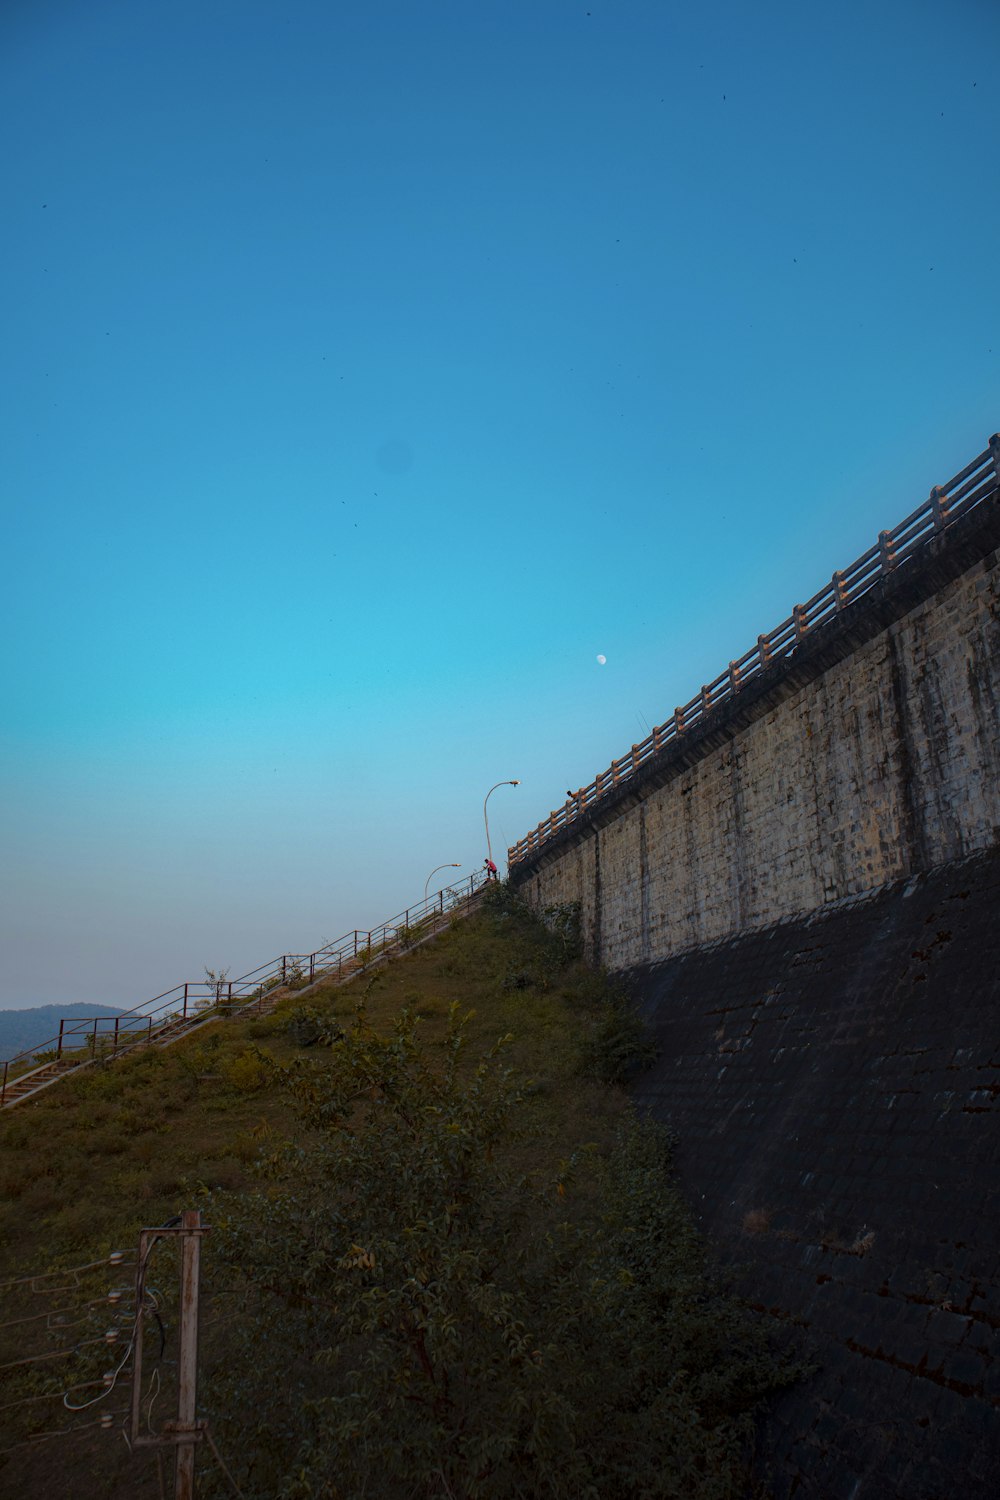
x=565, y=1243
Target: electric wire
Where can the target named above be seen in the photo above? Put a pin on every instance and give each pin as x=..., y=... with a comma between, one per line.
x=49, y=1395
x=116, y=1258
x=57, y=1432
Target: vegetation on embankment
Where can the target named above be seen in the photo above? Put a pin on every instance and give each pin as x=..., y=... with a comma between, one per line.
x=444, y=1259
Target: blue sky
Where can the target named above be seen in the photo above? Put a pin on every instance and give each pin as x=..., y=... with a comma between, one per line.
x=369, y=369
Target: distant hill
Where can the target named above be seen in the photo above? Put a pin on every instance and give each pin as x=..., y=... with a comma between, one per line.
x=21, y=1029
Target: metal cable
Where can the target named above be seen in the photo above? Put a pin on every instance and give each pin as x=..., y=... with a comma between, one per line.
x=116, y=1258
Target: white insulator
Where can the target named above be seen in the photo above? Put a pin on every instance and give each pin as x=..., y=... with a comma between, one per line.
x=107, y=1420
x=116, y=1257
x=108, y=1378
x=111, y=1337
x=115, y=1295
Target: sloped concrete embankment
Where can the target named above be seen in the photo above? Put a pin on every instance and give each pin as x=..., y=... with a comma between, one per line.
x=834, y=1082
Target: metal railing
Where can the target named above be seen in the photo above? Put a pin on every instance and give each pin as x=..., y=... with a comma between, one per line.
x=946, y=504
x=194, y=1001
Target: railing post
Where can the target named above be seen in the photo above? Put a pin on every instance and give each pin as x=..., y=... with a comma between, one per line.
x=801, y=620
x=839, y=592
x=679, y=720
x=886, y=552
x=939, y=508
x=185, y=1000
x=764, y=652
x=706, y=699
x=59, y=1049
x=734, y=677
x=995, y=451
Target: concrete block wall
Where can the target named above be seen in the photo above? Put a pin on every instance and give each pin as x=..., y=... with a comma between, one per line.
x=834, y=1085
x=885, y=763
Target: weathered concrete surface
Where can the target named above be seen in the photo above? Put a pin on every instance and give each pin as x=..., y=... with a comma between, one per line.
x=870, y=754
x=804, y=895
x=834, y=1083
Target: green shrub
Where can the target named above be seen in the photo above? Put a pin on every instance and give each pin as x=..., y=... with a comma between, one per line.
x=416, y=1320
x=614, y=1042
x=247, y=1072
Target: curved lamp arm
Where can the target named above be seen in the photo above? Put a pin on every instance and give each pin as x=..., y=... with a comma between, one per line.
x=450, y=865
x=489, y=794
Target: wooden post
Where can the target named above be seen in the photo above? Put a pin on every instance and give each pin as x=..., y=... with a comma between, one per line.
x=887, y=552
x=187, y=1357
x=706, y=699
x=734, y=677
x=679, y=719
x=764, y=651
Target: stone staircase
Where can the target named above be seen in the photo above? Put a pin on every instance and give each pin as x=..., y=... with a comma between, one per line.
x=26, y=1084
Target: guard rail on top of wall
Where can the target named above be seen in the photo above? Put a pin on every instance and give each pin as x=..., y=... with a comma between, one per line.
x=193, y=1000
x=946, y=504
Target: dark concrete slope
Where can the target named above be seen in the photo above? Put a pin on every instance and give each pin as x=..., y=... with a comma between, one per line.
x=834, y=1082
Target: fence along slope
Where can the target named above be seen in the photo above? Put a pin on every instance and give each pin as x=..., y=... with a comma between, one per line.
x=946, y=504
x=192, y=1004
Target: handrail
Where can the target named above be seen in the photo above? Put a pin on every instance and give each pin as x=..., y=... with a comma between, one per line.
x=946, y=504
x=191, y=1001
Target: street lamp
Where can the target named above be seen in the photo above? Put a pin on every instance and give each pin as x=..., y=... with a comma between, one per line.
x=486, y=820
x=450, y=866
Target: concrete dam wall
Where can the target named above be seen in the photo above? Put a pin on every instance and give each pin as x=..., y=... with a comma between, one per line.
x=802, y=892
x=870, y=754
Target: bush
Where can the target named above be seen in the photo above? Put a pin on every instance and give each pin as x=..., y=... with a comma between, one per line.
x=615, y=1043
x=418, y=1321
x=247, y=1072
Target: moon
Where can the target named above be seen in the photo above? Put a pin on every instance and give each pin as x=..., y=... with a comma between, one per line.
x=601, y=660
